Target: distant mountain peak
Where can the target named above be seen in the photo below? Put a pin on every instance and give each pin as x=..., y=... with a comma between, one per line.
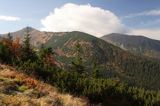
x=28, y=28
x=135, y=43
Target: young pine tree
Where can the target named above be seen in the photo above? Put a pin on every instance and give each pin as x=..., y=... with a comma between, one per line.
x=9, y=36
x=27, y=52
x=96, y=71
x=77, y=64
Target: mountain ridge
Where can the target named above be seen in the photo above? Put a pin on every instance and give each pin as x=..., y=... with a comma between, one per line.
x=37, y=37
x=135, y=44
x=114, y=62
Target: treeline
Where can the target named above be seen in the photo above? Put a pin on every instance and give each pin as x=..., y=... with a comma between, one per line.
x=41, y=64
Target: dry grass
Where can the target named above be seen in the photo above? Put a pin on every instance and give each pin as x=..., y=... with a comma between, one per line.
x=32, y=92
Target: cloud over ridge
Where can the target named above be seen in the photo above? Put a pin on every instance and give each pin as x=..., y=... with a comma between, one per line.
x=85, y=18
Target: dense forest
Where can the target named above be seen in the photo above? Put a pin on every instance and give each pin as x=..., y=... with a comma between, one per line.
x=41, y=63
x=115, y=63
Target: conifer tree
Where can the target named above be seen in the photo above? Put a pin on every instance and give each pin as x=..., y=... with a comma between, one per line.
x=27, y=52
x=96, y=71
x=9, y=36
x=78, y=62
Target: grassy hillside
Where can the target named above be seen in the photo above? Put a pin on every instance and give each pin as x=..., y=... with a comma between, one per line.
x=17, y=89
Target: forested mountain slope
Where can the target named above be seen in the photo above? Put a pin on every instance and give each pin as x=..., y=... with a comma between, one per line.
x=112, y=61
x=82, y=65
x=115, y=62
x=135, y=44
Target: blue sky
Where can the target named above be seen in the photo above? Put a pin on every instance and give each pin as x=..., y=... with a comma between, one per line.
x=139, y=16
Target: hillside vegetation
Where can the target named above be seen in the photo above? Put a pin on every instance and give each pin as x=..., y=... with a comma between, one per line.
x=114, y=62
x=18, y=89
x=117, y=79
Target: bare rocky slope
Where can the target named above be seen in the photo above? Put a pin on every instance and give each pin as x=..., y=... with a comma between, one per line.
x=37, y=37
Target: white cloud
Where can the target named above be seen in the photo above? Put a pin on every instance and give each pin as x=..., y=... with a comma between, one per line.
x=85, y=18
x=8, y=18
x=151, y=33
x=144, y=13
x=153, y=13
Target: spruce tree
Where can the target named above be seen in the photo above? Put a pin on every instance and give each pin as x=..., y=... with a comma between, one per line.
x=78, y=62
x=96, y=71
x=27, y=52
x=9, y=36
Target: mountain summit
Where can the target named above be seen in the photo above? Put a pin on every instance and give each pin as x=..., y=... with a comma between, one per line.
x=37, y=37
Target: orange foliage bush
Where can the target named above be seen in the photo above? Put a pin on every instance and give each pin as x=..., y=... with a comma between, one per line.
x=50, y=60
x=16, y=48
